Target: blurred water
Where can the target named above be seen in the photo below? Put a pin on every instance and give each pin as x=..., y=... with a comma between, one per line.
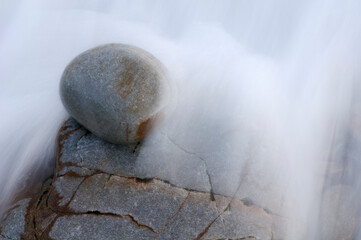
x=281, y=74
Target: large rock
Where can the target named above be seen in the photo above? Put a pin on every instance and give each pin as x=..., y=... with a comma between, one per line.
x=106, y=191
x=116, y=91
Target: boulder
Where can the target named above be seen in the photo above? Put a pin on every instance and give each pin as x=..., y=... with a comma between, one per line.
x=106, y=191
x=118, y=92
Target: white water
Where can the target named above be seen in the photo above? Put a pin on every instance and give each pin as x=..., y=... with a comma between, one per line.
x=287, y=70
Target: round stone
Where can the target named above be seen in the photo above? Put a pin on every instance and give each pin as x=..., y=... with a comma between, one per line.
x=116, y=91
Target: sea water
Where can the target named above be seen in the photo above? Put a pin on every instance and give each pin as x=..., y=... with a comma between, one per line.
x=283, y=77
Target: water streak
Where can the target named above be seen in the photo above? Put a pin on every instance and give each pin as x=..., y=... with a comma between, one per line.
x=281, y=76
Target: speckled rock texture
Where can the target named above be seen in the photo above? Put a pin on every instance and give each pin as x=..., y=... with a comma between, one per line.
x=118, y=92
x=13, y=225
x=106, y=191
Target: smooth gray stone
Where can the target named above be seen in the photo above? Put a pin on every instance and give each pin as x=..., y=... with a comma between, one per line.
x=117, y=91
x=12, y=227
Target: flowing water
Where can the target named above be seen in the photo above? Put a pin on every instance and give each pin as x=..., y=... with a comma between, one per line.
x=280, y=75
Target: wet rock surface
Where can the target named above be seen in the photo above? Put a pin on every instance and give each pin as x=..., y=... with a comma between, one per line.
x=106, y=191
x=117, y=91
x=13, y=225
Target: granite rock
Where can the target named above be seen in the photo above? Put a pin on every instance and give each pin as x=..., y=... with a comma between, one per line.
x=92, y=226
x=106, y=191
x=13, y=225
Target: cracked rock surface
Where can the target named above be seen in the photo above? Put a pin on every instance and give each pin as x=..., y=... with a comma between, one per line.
x=105, y=191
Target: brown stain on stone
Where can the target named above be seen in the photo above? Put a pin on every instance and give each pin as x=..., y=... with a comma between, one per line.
x=44, y=208
x=63, y=136
x=70, y=173
x=144, y=129
x=45, y=205
x=136, y=83
x=126, y=83
x=126, y=78
x=36, y=213
x=148, y=125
